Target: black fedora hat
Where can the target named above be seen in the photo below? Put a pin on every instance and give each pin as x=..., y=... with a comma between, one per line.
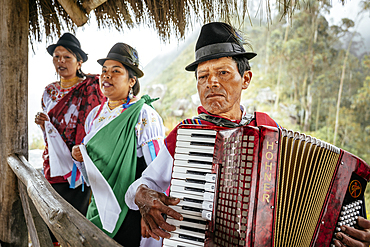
x=126, y=55
x=216, y=40
x=68, y=40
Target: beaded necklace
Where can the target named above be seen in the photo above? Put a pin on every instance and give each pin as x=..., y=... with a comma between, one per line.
x=114, y=103
x=67, y=83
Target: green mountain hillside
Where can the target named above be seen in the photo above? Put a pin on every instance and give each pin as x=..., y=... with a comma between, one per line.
x=308, y=75
x=297, y=77
x=176, y=84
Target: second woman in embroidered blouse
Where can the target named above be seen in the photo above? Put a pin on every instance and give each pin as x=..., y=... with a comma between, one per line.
x=123, y=136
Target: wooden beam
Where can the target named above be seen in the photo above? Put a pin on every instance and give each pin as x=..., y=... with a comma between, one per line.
x=68, y=225
x=74, y=11
x=14, y=21
x=89, y=5
x=38, y=231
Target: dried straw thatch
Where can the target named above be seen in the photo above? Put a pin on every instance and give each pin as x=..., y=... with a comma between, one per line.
x=168, y=17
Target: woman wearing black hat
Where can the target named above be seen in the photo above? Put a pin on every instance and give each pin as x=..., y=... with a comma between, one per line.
x=123, y=136
x=66, y=104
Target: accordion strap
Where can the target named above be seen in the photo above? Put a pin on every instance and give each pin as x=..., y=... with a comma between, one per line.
x=225, y=122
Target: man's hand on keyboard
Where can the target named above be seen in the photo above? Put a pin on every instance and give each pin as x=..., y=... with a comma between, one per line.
x=152, y=205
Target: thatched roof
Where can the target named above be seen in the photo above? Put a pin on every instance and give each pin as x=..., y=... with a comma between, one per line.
x=168, y=17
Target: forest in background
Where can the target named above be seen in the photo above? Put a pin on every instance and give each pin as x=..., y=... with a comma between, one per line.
x=302, y=69
x=304, y=65
x=309, y=76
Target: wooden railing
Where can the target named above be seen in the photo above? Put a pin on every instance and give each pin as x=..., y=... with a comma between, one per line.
x=43, y=207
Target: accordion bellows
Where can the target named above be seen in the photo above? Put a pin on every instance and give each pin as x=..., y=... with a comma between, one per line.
x=262, y=186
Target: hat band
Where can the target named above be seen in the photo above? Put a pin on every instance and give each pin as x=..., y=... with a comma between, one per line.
x=67, y=43
x=121, y=58
x=218, y=48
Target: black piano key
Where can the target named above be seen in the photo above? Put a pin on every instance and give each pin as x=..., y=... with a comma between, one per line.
x=202, y=144
x=191, y=238
x=199, y=162
x=195, y=189
x=192, y=200
x=195, y=181
x=200, y=154
x=186, y=219
x=192, y=229
x=192, y=209
x=196, y=172
x=203, y=135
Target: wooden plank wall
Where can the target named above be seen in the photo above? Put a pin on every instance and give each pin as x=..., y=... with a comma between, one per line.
x=14, y=16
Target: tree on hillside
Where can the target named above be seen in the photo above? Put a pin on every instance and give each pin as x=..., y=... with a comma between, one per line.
x=306, y=43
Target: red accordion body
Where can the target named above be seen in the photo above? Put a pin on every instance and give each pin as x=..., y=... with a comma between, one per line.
x=272, y=187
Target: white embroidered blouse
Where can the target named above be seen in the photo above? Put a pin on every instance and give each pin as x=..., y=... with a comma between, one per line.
x=149, y=129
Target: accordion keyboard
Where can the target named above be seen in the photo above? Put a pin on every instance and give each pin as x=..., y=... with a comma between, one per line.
x=262, y=186
x=193, y=181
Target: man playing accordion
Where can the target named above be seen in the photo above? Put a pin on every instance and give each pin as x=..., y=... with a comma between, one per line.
x=222, y=71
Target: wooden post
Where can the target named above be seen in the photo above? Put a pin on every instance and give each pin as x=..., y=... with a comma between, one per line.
x=69, y=226
x=14, y=16
x=39, y=232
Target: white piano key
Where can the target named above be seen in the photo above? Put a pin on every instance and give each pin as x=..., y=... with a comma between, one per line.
x=189, y=232
x=193, y=157
x=207, y=196
x=188, y=150
x=207, y=205
x=176, y=241
x=206, y=186
x=195, y=139
x=187, y=223
x=196, y=131
x=190, y=170
x=182, y=189
x=207, y=178
x=185, y=163
x=189, y=211
x=199, y=145
x=195, y=144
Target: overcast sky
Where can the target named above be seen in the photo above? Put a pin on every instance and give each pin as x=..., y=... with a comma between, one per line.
x=98, y=42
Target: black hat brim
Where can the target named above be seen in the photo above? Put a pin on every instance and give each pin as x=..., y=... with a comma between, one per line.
x=120, y=59
x=193, y=66
x=75, y=49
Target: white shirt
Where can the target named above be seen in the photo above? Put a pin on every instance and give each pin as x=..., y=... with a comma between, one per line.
x=149, y=127
x=158, y=175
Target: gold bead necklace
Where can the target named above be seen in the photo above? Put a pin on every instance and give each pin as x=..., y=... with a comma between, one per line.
x=114, y=103
x=67, y=83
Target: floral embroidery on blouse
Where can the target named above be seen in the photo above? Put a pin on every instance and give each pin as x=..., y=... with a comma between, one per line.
x=56, y=92
x=138, y=128
x=145, y=122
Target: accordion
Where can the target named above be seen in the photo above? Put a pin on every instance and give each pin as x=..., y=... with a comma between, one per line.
x=262, y=186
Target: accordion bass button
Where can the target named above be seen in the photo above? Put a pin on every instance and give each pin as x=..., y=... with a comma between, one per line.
x=206, y=215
